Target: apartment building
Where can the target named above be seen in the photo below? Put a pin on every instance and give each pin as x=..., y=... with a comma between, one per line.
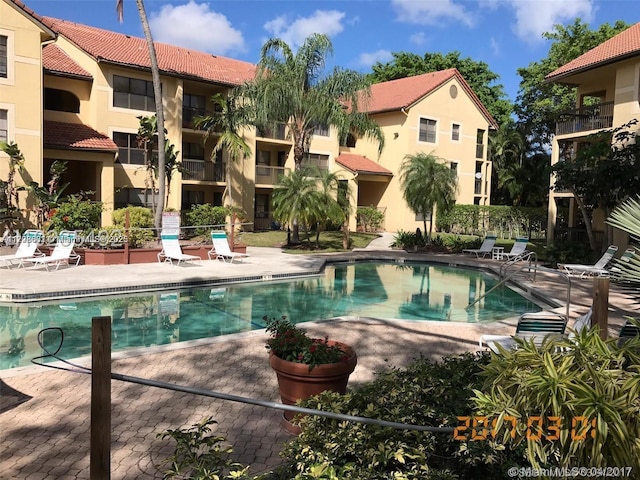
x=84, y=89
x=607, y=81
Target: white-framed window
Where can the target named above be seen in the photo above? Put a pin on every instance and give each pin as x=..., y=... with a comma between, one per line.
x=133, y=93
x=455, y=132
x=427, y=131
x=321, y=130
x=129, y=152
x=4, y=56
x=319, y=160
x=4, y=125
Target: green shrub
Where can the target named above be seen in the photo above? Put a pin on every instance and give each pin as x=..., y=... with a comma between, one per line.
x=206, y=214
x=568, y=252
x=76, y=214
x=586, y=380
x=425, y=393
x=370, y=219
x=140, y=224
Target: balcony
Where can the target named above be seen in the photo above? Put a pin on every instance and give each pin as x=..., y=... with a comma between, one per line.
x=203, y=170
x=189, y=114
x=477, y=187
x=594, y=117
x=278, y=132
x=479, y=150
x=268, y=175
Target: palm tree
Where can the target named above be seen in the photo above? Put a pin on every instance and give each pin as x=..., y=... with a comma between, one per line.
x=296, y=198
x=626, y=217
x=9, y=194
x=331, y=204
x=157, y=91
x=426, y=183
x=292, y=89
x=230, y=117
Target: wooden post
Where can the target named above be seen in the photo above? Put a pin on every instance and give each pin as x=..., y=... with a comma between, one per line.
x=100, y=462
x=233, y=231
x=601, y=305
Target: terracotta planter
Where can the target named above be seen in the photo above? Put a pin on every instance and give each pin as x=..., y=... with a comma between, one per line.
x=296, y=382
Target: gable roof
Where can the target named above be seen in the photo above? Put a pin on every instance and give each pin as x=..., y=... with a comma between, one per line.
x=624, y=45
x=75, y=136
x=117, y=48
x=405, y=92
x=34, y=16
x=57, y=62
x=360, y=164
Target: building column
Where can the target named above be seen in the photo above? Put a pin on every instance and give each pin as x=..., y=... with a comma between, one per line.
x=552, y=209
x=105, y=173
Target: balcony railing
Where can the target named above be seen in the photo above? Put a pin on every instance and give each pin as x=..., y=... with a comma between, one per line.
x=594, y=117
x=269, y=175
x=189, y=114
x=277, y=132
x=203, y=170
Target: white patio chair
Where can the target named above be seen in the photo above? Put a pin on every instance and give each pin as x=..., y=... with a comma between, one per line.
x=485, y=249
x=171, y=249
x=580, y=270
x=221, y=250
x=62, y=253
x=28, y=248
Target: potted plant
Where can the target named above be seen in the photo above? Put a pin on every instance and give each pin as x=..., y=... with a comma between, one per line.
x=306, y=366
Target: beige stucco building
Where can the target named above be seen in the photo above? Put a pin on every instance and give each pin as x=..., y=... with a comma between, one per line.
x=74, y=92
x=607, y=81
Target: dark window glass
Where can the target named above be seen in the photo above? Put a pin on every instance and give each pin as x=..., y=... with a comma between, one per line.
x=61, y=101
x=3, y=56
x=133, y=93
x=427, y=130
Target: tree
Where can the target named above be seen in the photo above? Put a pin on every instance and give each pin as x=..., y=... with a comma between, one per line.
x=230, y=117
x=147, y=139
x=157, y=91
x=330, y=203
x=295, y=198
x=49, y=196
x=477, y=74
x=9, y=204
x=604, y=173
x=539, y=104
x=426, y=182
x=293, y=89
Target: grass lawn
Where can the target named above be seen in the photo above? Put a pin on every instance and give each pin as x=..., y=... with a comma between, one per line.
x=329, y=241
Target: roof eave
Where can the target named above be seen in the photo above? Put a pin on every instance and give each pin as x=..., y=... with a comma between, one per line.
x=586, y=68
x=68, y=75
x=81, y=149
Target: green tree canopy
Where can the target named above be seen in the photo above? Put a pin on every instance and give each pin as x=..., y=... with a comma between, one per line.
x=538, y=104
x=477, y=74
x=426, y=182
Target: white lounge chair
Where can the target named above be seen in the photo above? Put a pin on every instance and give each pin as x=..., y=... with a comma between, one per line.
x=531, y=326
x=28, y=248
x=485, y=249
x=62, y=253
x=171, y=249
x=580, y=270
x=519, y=247
x=221, y=250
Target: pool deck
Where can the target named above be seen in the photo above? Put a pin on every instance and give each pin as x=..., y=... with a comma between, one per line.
x=45, y=413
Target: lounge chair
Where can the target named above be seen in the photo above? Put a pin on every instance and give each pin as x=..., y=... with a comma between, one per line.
x=597, y=269
x=171, y=249
x=614, y=270
x=221, y=250
x=62, y=253
x=531, y=326
x=28, y=248
x=485, y=249
x=519, y=248
x=628, y=331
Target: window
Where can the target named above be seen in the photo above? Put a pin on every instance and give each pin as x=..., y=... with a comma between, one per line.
x=3, y=56
x=349, y=142
x=316, y=159
x=479, y=143
x=427, y=130
x=192, y=197
x=263, y=157
x=137, y=197
x=4, y=126
x=133, y=93
x=321, y=130
x=192, y=106
x=61, y=101
x=455, y=132
x=454, y=169
x=194, y=151
x=128, y=150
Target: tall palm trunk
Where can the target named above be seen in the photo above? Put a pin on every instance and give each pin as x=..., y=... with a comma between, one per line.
x=157, y=93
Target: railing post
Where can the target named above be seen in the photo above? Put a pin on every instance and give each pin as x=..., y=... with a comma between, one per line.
x=100, y=447
x=601, y=305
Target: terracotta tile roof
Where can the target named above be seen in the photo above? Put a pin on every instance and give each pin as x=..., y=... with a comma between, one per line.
x=56, y=61
x=38, y=19
x=624, y=45
x=405, y=92
x=112, y=47
x=75, y=136
x=360, y=164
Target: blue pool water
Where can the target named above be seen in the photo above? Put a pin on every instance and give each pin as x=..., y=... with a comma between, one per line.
x=410, y=291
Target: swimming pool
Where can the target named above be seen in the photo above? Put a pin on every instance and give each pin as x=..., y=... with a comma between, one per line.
x=409, y=291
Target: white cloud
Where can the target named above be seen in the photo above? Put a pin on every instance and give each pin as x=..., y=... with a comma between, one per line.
x=195, y=26
x=328, y=22
x=369, y=59
x=418, y=38
x=534, y=17
x=495, y=46
x=431, y=12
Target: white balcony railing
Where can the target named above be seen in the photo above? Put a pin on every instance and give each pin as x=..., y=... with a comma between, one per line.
x=269, y=175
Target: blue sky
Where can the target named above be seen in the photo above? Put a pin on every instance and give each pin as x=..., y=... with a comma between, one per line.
x=506, y=34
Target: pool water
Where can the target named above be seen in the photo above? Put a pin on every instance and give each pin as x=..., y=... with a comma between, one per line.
x=409, y=291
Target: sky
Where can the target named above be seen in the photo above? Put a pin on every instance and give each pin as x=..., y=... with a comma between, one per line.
x=505, y=34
